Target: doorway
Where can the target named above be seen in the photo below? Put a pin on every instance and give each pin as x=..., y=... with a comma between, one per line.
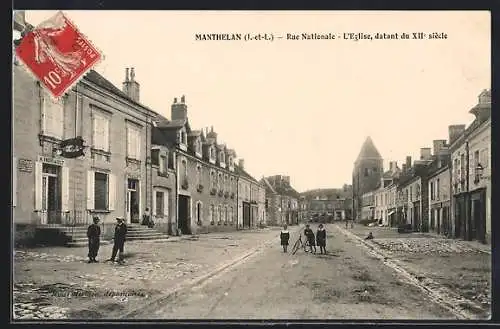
x=246, y=214
x=184, y=216
x=51, y=194
x=478, y=220
x=133, y=201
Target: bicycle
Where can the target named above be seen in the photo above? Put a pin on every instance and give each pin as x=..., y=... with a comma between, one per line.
x=299, y=244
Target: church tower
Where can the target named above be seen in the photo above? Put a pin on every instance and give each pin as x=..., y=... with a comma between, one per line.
x=367, y=173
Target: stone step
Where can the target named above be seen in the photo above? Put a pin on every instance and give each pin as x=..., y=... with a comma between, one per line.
x=154, y=233
x=84, y=243
x=154, y=237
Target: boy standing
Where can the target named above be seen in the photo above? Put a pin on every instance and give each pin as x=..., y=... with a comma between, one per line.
x=310, y=238
x=321, y=239
x=284, y=237
x=94, y=236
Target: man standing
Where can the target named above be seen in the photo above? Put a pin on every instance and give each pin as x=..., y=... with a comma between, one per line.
x=94, y=236
x=119, y=240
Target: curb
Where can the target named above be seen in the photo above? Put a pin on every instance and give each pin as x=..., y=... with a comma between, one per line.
x=195, y=281
x=445, y=298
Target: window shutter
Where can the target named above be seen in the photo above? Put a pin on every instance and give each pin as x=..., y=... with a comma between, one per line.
x=111, y=192
x=90, y=189
x=38, y=185
x=105, y=132
x=138, y=144
x=166, y=202
x=14, y=182
x=65, y=189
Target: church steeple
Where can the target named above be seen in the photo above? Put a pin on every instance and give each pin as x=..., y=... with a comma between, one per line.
x=368, y=151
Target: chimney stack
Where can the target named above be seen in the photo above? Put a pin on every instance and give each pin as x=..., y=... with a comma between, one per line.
x=454, y=132
x=425, y=153
x=408, y=162
x=482, y=110
x=241, y=163
x=130, y=86
x=179, y=110
x=438, y=145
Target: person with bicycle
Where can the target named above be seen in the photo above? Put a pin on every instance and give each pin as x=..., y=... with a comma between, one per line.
x=310, y=238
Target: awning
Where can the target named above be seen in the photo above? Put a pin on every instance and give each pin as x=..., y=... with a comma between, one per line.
x=391, y=213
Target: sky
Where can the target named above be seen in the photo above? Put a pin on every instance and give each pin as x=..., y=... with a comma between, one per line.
x=301, y=107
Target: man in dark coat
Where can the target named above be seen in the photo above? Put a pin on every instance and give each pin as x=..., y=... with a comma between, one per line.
x=119, y=240
x=321, y=239
x=94, y=236
x=311, y=239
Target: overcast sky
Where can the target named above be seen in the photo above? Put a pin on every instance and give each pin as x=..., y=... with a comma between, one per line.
x=301, y=108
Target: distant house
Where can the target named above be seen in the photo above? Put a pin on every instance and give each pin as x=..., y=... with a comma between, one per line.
x=282, y=201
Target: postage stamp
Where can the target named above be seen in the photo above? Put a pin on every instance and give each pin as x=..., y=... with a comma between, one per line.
x=57, y=54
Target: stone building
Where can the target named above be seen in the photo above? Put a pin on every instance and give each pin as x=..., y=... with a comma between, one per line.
x=327, y=205
x=367, y=206
x=413, y=183
x=205, y=181
x=251, y=199
x=382, y=195
x=471, y=173
x=110, y=179
x=367, y=172
x=282, y=201
x=439, y=190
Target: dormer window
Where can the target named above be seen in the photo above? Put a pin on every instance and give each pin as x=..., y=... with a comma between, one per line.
x=212, y=156
x=222, y=157
x=197, y=148
x=182, y=140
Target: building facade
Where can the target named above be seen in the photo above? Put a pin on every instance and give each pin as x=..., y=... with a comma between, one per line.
x=367, y=206
x=251, y=200
x=327, y=205
x=205, y=178
x=112, y=177
x=367, y=172
x=471, y=174
x=282, y=200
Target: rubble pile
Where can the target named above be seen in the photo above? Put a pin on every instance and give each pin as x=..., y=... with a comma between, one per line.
x=425, y=246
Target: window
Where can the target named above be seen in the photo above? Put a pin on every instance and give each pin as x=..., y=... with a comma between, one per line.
x=220, y=181
x=133, y=142
x=160, y=202
x=226, y=215
x=101, y=191
x=222, y=157
x=432, y=190
x=163, y=163
x=197, y=147
x=198, y=174
x=226, y=182
x=199, y=213
x=100, y=133
x=374, y=169
x=366, y=172
x=212, y=214
x=231, y=214
x=219, y=215
x=53, y=117
x=184, y=169
x=213, y=178
x=231, y=184
x=437, y=188
x=411, y=193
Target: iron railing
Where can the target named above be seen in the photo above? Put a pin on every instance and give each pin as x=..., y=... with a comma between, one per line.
x=62, y=218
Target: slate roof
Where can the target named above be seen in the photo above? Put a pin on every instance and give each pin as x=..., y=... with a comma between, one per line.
x=241, y=172
x=368, y=150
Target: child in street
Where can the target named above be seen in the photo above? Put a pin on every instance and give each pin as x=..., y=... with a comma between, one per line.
x=321, y=239
x=284, y=237
x=310, y=238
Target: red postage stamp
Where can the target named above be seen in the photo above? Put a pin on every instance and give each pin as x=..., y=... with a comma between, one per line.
x=57, y=54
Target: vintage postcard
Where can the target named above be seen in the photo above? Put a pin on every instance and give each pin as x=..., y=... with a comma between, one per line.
x=251, y=165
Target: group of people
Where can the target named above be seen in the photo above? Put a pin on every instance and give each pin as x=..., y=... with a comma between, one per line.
x=94, y=238
x=312, y=240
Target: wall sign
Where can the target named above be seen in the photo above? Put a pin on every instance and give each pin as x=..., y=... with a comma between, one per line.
x=72, y=148
x=49, y=160
x=25, y=165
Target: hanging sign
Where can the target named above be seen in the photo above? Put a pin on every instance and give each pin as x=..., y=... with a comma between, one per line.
x=72, y=148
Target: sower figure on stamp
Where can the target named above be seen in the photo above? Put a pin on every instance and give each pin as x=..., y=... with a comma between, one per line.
x=94, y=236
x=119, y=240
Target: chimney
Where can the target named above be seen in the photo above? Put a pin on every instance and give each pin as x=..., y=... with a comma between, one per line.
x=454, y=131
x=425, y=153
x=179, y=110
x=241, y=163
x=437, y=145
x=408, y=162
x=130, y=86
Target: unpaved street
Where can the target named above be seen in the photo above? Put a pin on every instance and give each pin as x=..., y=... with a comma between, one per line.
x=347, y=283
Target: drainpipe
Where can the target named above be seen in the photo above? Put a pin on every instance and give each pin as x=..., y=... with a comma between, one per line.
x=467, y=196
x=174, y=160
x=238, y=203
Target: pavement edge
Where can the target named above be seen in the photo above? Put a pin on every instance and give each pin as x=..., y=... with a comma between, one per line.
x=443, y=298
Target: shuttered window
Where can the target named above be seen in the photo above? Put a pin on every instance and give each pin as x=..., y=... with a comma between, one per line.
x=159, y=211
x=101, y=191
x=133, y=142
x=100, y=131
x=53, y=117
